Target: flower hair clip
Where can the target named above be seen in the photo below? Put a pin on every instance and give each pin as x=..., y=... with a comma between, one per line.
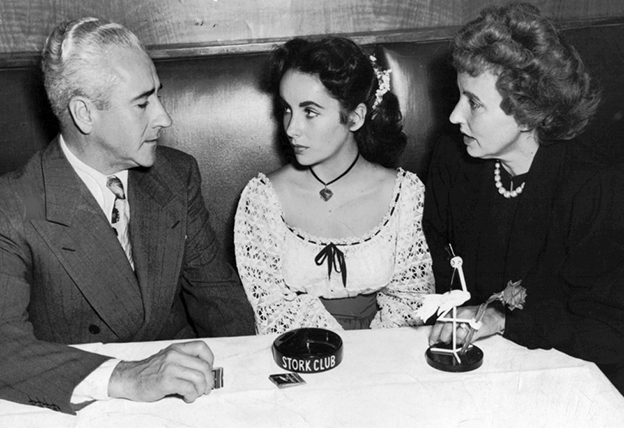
x=383, y=81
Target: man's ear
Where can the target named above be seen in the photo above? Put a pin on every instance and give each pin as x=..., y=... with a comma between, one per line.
x=81, y=110
x=357, y=117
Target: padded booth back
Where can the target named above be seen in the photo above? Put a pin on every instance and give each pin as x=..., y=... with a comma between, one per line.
x=223, y=116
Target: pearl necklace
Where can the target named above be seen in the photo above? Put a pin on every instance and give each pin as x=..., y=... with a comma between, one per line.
x=506, y=193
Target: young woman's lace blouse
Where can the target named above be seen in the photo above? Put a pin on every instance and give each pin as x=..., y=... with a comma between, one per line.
x=283, y=281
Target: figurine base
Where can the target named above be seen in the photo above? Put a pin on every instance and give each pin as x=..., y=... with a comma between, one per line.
x=471, y=360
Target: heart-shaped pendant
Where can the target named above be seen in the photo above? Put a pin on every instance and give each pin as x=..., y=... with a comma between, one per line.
x=326, y=194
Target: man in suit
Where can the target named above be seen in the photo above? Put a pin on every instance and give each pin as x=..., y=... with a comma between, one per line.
x=104, y=237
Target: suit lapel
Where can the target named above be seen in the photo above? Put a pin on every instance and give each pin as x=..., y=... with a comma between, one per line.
x=80, y=237
x=157, y=231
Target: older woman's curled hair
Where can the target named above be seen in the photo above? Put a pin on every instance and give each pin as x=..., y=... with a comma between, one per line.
x=541, y=78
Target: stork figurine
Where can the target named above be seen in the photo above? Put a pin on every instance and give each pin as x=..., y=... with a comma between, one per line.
x=442, y=356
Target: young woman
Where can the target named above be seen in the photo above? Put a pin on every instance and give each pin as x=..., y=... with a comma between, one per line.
x=520, y=199
x=334, y=239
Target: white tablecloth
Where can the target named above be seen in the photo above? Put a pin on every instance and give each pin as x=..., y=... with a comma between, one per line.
x=383, y=381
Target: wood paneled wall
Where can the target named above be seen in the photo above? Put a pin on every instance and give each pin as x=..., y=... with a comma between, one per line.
x=191, y=27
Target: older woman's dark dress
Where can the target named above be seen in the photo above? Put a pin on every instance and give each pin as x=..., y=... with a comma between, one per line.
x=563, y=237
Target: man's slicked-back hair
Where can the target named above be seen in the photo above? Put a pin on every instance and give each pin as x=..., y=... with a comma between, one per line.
x=74, y=62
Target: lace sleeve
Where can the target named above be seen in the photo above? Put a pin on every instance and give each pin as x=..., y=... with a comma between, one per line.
x=258, y=238
x=413, y=275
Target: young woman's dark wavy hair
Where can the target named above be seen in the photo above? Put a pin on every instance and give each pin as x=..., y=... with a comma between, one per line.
x=541, y=78
x=347, y=73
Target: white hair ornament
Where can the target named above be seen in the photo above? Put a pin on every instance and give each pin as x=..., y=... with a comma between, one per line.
x=383, y=80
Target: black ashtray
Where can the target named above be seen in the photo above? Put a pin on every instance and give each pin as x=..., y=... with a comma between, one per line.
x=308, y=350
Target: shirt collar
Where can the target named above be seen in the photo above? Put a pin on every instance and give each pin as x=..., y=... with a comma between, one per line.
x=95, y=180
x=88, y=173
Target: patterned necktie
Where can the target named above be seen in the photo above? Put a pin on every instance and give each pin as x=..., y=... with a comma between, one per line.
x=120, y=215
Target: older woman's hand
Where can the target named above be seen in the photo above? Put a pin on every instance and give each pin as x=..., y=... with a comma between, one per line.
x=493, y=322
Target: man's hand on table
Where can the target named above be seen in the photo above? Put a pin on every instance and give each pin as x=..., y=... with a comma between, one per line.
x=493, y=322
x=184, y=369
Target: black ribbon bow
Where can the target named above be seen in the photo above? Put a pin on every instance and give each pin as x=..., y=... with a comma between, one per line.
x=335, y=261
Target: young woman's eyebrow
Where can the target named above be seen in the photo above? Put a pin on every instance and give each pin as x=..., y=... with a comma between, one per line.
x=310, y=103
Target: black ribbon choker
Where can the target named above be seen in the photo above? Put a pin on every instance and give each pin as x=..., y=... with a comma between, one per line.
x=325, y=193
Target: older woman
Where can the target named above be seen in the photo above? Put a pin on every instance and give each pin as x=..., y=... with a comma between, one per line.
x=520, y=199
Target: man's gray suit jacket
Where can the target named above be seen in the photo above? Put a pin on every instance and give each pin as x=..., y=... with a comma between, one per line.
x=65, y=279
